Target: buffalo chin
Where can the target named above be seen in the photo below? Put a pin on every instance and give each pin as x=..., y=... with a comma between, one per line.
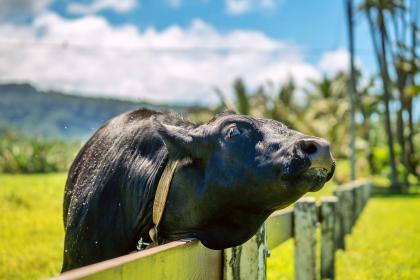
x=316, y=178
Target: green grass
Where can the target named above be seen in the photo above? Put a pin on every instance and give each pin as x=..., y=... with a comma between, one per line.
x=384, y=244
x=31, y=228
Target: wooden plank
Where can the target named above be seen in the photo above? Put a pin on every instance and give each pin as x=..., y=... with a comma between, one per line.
x=175, y=260
x=247, y=261
x=305, y=218
x=328, y=215
x=279, y=228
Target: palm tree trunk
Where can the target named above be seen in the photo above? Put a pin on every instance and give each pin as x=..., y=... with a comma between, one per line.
x=401, y=133
x=400, y=28
x=352, y=91
x=411, y=148
x=380, y=53
x=386, y=88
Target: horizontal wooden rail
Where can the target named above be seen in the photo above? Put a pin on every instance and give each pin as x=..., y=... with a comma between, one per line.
x=279, y=228
x=175, y=260
x=191, y=260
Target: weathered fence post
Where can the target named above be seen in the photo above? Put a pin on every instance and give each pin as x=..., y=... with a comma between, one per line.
x=305, y=218
x=359, y=200
x=328, y=219
x=342, y=219
x=346, y=197
x=247, y=261
x=354, y=207
x=366, y=193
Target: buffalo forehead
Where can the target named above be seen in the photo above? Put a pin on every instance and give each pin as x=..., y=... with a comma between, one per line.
x=275, y=131
x=224, y=120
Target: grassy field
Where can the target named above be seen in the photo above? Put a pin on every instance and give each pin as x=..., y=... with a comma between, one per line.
x=385, y=243
x=31, y=227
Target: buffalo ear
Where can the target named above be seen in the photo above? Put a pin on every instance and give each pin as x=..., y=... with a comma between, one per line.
x=181, y=141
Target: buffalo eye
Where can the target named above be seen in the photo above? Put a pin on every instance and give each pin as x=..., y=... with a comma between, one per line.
x=233, y=132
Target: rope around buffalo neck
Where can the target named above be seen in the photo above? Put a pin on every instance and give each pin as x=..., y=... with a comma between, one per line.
x=159, y=202
x=161, y=195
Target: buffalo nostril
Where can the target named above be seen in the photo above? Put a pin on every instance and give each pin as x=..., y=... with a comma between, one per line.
x=318, y=152
x=309, y=148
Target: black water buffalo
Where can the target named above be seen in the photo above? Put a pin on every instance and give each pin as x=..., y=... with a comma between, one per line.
x=239, y=170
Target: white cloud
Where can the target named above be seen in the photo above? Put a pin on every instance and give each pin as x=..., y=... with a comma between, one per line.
x=23, y=7
x=174, y=3
x=89, y=55
x=238, y=7
x=333, y=62
x=95, y=6
x=267, y=3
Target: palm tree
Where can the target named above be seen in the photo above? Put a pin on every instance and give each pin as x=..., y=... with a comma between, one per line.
x=241, y=96
x=367, y=105
x=379, y=35
x=352, y=90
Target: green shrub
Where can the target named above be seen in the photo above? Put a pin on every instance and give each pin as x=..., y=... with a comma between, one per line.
x=24, y=154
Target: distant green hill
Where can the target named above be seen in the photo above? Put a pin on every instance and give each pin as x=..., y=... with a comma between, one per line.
x=57, y=115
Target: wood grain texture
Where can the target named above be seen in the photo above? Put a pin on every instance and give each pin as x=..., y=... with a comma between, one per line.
x=247, y=261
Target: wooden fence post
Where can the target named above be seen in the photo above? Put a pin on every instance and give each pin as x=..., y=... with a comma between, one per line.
x=328, y=219
x=305, y=217
x=341, y=219
x=359, y=200
x=366, y=193
x=354, y=207
x=247, y=261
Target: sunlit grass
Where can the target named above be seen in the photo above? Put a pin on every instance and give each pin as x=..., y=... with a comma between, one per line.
x=31, y=228
x=384, y=244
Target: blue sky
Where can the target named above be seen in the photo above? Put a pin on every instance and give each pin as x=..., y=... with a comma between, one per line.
x=174, y=50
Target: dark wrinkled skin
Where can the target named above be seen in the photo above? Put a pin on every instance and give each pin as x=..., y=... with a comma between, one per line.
x=238, y=171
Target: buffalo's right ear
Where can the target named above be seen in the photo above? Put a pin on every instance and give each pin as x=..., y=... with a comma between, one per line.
x=181, y=141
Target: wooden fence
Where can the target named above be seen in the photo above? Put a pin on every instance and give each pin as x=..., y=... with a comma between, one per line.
x=335, y=215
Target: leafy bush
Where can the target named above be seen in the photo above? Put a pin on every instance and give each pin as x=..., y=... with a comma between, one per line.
x=24, y=154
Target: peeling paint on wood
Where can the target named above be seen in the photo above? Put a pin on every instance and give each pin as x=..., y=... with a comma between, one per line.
x=247, y=261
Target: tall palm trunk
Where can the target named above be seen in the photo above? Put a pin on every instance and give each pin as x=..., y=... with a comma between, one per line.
x=401, y=129
x=352, y=91
x=380, y=52
x=399, y=59
x=411, y=149
x=387, y=96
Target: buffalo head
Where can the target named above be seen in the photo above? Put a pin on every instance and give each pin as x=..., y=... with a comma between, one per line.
x=241, y=169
